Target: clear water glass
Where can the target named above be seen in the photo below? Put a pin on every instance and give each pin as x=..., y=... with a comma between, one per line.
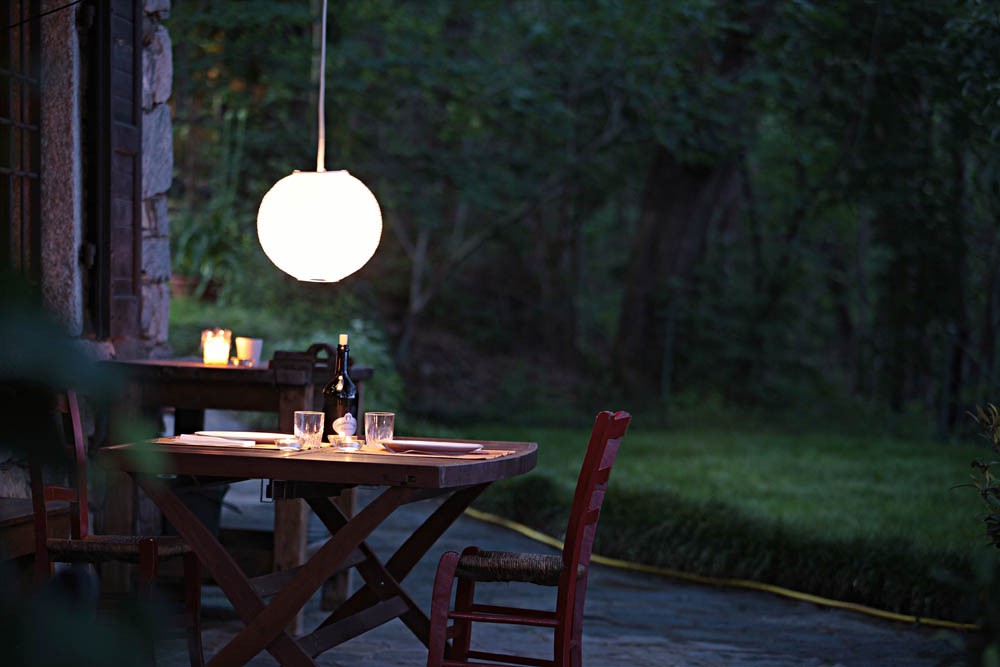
x=309, y=428
x=379, y=427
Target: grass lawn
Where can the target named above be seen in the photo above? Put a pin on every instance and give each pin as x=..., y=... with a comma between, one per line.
x=864, y=519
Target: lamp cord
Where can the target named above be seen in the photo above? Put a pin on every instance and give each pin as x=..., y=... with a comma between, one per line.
x=321, y=143
x=46, y=13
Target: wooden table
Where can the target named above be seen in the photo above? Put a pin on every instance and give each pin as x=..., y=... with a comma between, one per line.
x=290, y=382
x=315, y=476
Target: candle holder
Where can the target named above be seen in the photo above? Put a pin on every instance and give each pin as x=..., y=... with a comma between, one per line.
x=248, y=351
x=215, y=344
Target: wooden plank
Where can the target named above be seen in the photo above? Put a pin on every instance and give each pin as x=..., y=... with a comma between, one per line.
x=17, y=525
x=225, y=571
x=380, y=584
x=291, y=517
x=291, y=533
x=325, y=465
x=337, y=589
x=407, y=556
x=269, y=622
x=268, y=585
x=114, y=153
x=328, y=636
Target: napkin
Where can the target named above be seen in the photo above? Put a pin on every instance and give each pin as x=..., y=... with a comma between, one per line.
x=191, y=439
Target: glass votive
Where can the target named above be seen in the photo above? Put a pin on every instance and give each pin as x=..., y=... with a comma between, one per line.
x=309, y=428
x=248, y=350
x=345, y=443
x=215, y=345
x=289, y=444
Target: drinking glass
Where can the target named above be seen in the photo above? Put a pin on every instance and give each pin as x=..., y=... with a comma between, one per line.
x=309, y=428
x=379, y=427
x=248, y=350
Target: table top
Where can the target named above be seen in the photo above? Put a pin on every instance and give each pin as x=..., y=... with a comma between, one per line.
x=325, y=465
x=191, y=369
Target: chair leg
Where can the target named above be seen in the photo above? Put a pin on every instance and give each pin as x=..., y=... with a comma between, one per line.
x=440, y=601
x=192, y=602
x=149, y=563
x=465, y=590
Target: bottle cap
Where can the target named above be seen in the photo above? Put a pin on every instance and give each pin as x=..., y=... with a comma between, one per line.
x=343, y=339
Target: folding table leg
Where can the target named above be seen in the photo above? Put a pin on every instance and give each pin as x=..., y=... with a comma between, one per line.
x=268, y=624
x=408, y=555
x=226, y=573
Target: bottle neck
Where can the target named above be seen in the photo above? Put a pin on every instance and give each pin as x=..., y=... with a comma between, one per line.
x=343, y=351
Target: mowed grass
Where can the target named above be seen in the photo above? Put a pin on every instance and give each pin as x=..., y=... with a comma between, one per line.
x=874, y=520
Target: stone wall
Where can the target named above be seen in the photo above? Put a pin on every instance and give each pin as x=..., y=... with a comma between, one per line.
x=62, y=191
x=61, y=168
x=61, y=196
x=157, y=173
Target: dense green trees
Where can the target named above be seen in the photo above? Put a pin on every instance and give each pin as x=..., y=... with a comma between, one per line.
x=774, y=202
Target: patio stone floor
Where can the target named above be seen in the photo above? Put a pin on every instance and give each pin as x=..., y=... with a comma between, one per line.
x=632, y=619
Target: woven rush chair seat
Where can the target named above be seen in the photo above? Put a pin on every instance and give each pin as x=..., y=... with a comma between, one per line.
x=105, y=548
x=541, y=569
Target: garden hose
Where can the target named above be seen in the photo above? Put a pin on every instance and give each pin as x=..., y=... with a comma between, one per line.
x=713, y=581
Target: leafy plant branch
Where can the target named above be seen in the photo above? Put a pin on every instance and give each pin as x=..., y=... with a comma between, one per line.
x=984, y=480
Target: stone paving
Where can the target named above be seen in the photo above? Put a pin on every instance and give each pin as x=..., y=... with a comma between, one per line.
x=632, y=619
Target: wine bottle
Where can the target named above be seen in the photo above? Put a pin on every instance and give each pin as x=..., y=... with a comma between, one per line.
x=340, y=397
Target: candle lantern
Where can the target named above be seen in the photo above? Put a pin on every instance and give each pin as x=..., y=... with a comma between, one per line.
x=215, y=345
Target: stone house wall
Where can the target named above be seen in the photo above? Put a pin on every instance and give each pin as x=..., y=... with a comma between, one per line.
x=62, y=280
x=157, y=173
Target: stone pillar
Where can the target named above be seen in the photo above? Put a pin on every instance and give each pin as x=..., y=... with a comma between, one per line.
x=61, y=168
x=157, y=173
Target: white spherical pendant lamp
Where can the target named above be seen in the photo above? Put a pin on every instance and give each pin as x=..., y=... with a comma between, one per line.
x=319, y=226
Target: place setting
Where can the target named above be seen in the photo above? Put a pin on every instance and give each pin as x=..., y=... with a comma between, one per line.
x=245, y=441
x=379, y=440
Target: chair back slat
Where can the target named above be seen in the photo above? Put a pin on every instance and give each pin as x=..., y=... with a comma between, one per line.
x=602, y=450
x=60, y=493
x=80, y=512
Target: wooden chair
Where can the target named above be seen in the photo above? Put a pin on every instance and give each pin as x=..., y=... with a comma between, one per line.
x=83, y=547
x=567, y=572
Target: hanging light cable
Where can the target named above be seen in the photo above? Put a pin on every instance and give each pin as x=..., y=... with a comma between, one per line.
x=319, y=226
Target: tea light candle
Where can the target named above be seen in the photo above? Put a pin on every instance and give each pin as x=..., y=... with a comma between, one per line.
x=215, y=346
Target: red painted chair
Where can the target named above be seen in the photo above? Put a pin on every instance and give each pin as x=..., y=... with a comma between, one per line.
x=83, y=547
x=567, y=572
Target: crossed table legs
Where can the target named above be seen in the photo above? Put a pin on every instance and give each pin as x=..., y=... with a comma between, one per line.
x=381, y=599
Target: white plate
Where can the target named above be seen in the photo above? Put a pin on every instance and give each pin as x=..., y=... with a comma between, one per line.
x=431, y=446
x=256, y=436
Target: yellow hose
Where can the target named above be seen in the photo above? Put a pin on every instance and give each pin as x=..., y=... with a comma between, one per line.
x=733, y=583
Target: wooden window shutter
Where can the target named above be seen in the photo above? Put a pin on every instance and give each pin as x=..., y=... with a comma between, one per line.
x=20, y=139
x=115, y=169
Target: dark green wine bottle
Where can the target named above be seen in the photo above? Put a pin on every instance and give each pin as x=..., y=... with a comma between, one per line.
x=340, y=397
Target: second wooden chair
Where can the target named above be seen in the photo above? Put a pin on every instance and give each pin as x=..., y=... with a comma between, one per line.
x=567, y=572
x=83, y=547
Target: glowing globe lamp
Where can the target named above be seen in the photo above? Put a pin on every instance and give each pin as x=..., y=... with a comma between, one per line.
x=319, y=226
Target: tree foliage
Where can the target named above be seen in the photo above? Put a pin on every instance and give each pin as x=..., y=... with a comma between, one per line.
x=772, y=202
